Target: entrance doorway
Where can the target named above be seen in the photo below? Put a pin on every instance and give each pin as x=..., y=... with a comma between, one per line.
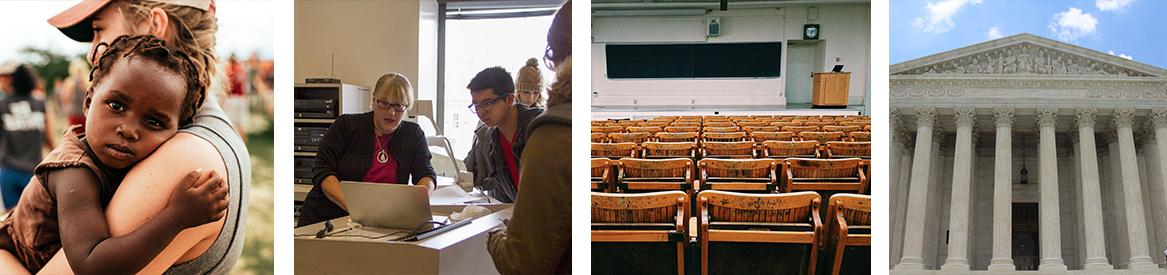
x=803, y=57
x=1026, y=239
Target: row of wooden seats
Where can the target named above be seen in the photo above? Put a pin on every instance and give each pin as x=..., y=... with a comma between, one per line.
x=794, y=218
x=773, y=127
x=759, y=175
x=757, y=137
x=733, y=149
x=736, y=119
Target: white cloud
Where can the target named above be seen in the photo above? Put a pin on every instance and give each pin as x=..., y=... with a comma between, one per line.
x=1073, y=23
x=939, y=17
x=1123, y=55
x=1111, y=5
x=994, y=33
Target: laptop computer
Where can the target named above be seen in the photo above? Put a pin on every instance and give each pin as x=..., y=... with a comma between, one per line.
x=837, y=68
x=398, y=206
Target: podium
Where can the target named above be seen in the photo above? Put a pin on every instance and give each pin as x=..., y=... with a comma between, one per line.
x=830, y=89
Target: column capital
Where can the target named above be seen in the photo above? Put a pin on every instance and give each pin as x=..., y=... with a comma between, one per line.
x=1003, y=116
x=925, y=116
x=1085, y=117
x=1124, y=117
x=965, y=116
x=1047, y=117
x=1159, y=117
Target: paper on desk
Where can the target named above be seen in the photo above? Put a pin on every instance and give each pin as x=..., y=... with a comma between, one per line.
x=452, y=194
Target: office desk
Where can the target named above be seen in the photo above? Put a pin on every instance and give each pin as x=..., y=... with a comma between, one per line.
x=458, y=251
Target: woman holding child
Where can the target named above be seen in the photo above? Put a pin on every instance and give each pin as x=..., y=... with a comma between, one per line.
x=188, y=164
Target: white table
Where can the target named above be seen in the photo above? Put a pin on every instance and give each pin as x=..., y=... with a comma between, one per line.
x=459, y=251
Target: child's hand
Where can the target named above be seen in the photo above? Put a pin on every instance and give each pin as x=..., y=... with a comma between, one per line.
x=200, y=198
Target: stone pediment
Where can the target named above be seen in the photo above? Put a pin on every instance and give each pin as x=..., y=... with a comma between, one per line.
x=1024, y=55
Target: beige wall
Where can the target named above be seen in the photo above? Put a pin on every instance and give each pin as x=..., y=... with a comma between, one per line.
x=368, y=38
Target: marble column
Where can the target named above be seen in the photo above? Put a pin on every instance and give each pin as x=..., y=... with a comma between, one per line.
x=958, y=218
x=1159, y=120
x=1051, y=245
x=1003, y=192
x=1091, y=193
x=1132, y=191
x=915, y=219
x=895, y=185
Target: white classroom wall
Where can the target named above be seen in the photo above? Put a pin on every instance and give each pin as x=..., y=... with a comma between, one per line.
x=845, y=34
x=368, y=38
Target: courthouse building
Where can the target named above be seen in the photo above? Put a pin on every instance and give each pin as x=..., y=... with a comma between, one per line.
x=1025, y=153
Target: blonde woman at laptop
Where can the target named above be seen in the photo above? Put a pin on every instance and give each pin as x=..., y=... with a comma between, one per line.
x=376, y=146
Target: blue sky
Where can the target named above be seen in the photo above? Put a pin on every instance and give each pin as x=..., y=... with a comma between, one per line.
x=1134, y=29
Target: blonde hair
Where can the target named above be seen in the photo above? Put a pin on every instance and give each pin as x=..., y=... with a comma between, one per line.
x=394, y=88
x=194, y=31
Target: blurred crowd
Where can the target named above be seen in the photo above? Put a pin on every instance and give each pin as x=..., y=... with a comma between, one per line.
x=61, y=86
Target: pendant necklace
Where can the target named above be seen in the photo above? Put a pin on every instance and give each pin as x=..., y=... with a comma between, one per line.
x=382, y=156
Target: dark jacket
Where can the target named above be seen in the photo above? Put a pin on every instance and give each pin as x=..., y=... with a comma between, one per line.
x=538, y=237
x=347, y=153
x=486, y=161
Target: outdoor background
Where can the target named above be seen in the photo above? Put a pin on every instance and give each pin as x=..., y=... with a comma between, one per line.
x=245, y=35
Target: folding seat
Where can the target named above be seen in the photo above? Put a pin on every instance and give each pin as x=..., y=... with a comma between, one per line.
x=733, y=149
x=848, y=234
x=614, y=150
x=723, y=136
x=730, y=222
x=639, y=175
x=628, y=137
x=654, y=149
x=737, y=174
x=677, y=137
x=629, y=231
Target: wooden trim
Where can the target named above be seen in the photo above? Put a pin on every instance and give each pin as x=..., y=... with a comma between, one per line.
x=744, y=236
x=618, y=236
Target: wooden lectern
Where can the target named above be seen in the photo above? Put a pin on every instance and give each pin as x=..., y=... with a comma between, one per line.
x=830, y=89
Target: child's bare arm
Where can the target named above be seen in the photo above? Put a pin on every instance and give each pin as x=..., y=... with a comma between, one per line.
x=85, y=236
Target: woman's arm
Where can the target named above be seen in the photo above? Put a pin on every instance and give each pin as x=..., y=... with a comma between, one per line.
x=144, y=193
x=331, y=187
x=332, y=147
x=423, y=171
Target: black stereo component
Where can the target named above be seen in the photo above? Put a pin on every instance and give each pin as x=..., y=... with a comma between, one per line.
x=308, y=138
x=303, y=169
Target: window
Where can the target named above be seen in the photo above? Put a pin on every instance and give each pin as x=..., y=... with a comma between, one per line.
x=477, y=44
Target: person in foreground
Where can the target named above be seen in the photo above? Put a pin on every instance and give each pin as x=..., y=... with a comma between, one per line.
x=377, y=146
x=143, y=92
x=209, y=142
x=537, y=240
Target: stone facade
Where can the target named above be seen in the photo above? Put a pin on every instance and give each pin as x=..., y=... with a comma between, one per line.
x=1089, y=128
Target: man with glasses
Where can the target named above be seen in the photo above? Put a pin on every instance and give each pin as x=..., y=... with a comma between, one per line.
x=499, y=140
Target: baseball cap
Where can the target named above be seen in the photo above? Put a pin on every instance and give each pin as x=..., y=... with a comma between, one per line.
x=75, y=22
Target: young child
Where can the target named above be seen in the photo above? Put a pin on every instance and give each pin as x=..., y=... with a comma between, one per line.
x=142, y=92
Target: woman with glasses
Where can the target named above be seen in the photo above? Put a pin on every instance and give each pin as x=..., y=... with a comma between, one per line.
x=499, y=141
x=376, y=146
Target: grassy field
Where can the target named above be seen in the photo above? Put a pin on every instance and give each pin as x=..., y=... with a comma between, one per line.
x=257, y=248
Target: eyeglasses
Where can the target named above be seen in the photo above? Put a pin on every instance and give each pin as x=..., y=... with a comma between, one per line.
x=483, y=105
x=385, y=105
